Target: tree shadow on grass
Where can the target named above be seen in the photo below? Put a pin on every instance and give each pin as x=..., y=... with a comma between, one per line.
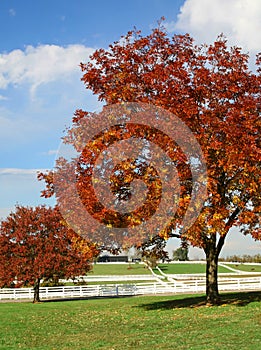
x=55, y=300
x=237, y=299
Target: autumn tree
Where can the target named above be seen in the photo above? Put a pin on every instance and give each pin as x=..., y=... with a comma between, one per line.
x=35, y=244
x=181, y=254
x=212, y=90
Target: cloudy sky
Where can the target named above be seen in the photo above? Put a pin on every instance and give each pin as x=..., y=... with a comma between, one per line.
x=41, y=45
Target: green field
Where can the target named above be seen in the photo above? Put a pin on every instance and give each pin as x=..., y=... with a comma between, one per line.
x=166, y=323
x=246, y=268
x=140, y=269
x=187, y=268
x=119, y=269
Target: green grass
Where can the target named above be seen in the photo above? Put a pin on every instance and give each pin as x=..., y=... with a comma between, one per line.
x=247, y=268
x=187, y=268
x=140, y=269
x=119, y=269
x=158, y=322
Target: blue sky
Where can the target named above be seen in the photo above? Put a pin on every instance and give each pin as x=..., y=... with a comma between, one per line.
x=41, y=45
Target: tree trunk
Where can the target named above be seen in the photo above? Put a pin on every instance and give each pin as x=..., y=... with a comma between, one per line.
x=212, y=276
x=37, y=290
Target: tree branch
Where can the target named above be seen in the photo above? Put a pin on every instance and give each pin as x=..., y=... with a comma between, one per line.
x=174, y=235
x=228, y=225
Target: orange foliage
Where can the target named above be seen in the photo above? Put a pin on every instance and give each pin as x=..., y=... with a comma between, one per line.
x=208, y=87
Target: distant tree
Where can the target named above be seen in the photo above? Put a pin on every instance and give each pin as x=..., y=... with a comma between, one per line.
x=181, y=254
x=244, y=258
x=257, y=258
x=154, y=250
x=35, y=244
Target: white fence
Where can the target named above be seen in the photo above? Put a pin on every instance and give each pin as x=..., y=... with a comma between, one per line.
x=195, y=286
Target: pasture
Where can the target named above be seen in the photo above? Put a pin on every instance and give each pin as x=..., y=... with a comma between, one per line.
x=140, y=269
x=119, y=269
x=187, y=268
x=246, y=267
x=162, y=322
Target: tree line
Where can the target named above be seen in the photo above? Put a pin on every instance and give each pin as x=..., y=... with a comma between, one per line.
x=245, y=258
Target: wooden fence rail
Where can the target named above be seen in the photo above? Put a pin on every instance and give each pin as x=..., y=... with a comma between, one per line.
x=194, y=286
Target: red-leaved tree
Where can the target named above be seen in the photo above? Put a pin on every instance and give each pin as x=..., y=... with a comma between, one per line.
x=211, y=89
x=35, y=244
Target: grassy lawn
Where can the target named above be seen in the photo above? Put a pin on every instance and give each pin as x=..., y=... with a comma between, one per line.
x=139, y=269
x=247, y=268
x=163, y=322
x=188, y=268
x=119, y=269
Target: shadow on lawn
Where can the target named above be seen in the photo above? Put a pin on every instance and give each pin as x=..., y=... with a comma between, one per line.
x=54, y=300
x=237, y=299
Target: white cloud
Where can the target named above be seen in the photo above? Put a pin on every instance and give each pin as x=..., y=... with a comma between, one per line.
x=170, y=26
x=43, y=88
x=41, y=64
x=239, y=20
x=17, y=171
x=51, y=152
